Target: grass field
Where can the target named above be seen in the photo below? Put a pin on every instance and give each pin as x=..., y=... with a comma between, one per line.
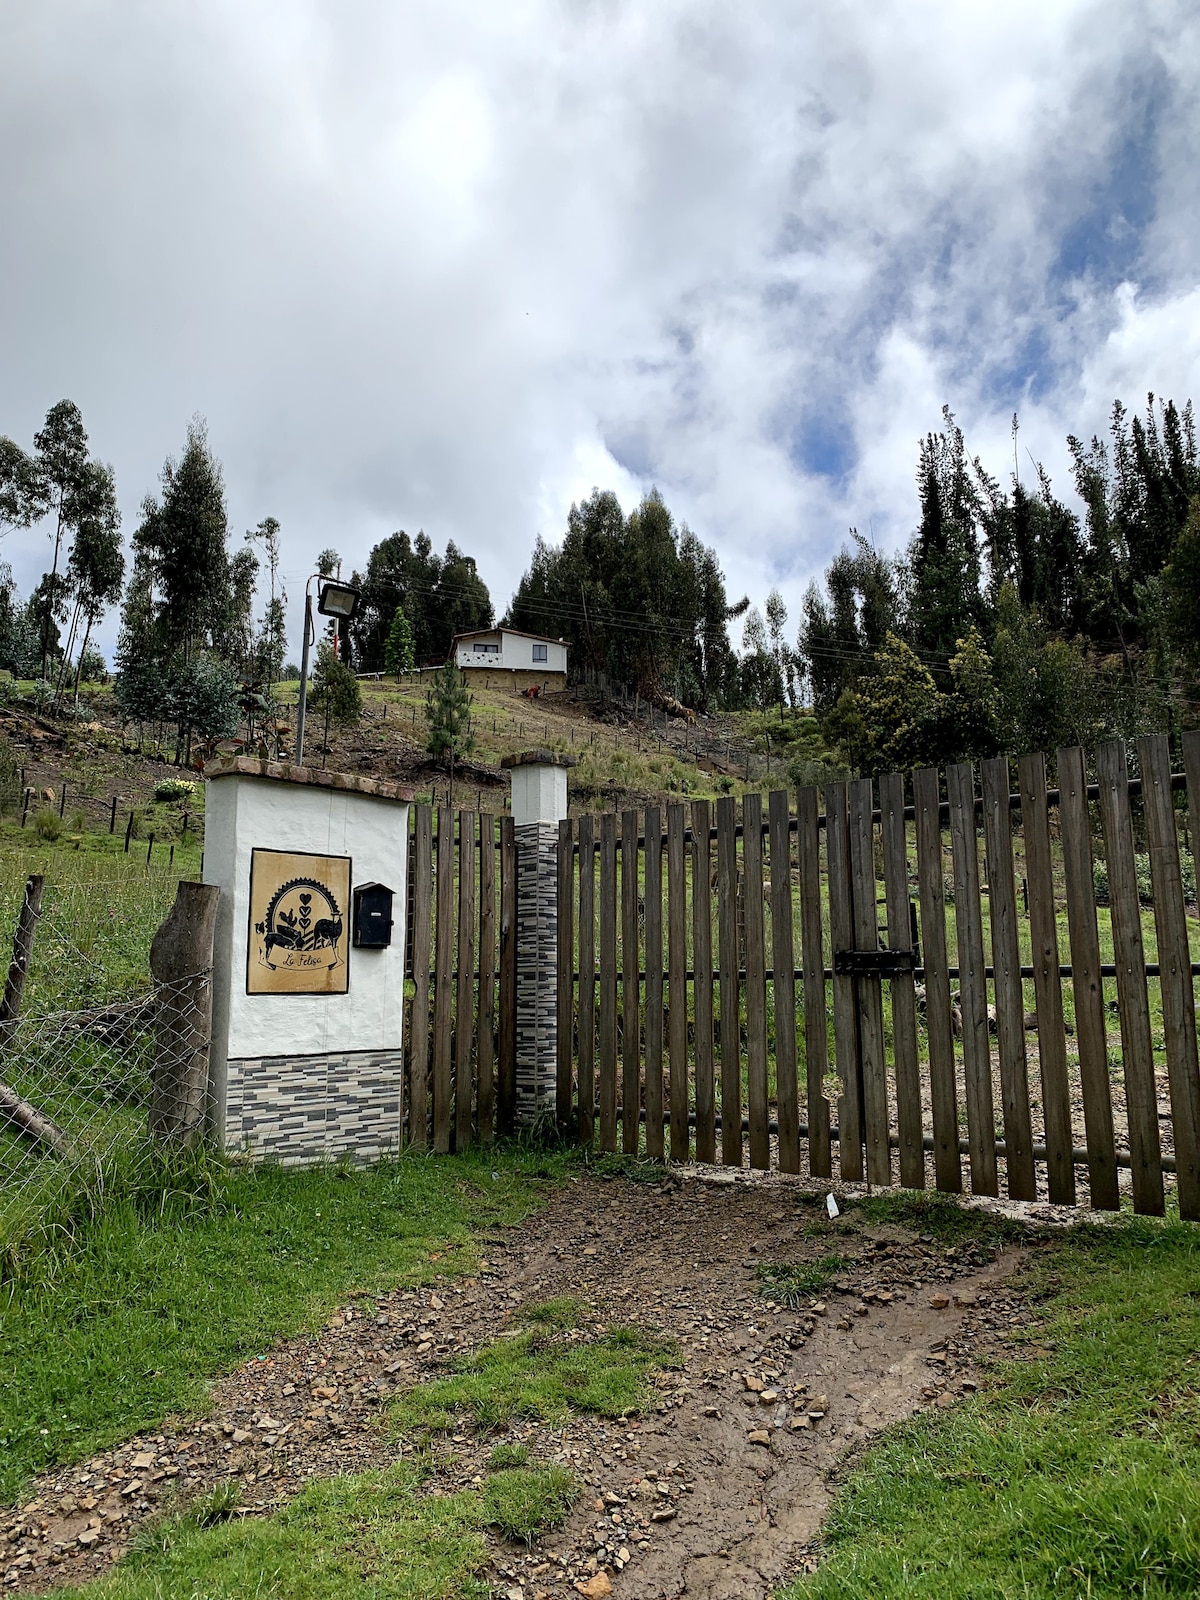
x=107, y=1336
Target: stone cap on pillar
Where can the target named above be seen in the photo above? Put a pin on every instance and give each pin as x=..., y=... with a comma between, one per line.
x=312, y=777
x=539, y=758
x=539, y=785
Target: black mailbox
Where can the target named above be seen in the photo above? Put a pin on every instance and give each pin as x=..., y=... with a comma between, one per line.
x=372, y=916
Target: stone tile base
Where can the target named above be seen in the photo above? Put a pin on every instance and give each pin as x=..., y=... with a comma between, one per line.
x=296, y=1109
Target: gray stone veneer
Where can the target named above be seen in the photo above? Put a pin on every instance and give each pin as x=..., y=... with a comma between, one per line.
x=537, y=957
x=302, y=1108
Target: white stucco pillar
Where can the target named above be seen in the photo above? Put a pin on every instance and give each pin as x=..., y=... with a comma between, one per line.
x=306, y=1058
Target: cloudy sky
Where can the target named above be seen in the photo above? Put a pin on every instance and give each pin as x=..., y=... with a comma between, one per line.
x=450, y=263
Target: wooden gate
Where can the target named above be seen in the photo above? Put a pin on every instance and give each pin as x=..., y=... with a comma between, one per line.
x=906, y=972
x=461, y=952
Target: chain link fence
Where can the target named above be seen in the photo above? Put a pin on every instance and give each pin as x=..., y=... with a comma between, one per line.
x=87, y=1090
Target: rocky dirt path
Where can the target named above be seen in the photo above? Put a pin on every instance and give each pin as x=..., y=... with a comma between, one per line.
x=718, y=1490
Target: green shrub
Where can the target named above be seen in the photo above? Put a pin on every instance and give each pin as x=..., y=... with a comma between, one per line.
x=1100, y=881
x=171, y=789
x=48, y=825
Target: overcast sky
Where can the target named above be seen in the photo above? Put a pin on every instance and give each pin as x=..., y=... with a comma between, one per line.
x=450, y=263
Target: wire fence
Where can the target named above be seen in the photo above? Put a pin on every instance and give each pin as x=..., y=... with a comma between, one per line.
x=100, y=1065
x=87, y=1099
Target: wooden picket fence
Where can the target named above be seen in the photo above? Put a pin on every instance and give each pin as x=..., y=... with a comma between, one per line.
x=958, y=1030
x=460, y=1027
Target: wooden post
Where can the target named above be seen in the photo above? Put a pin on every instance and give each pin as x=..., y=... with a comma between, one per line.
x=587, y=980
x=15, y=1110
x=939, y=1028
x=422, y=897
x=62, y=801
x=756, y=984
x=631, y=989
x=128, y=832
x=112, y=820
x=1129, y=958
x=654, y=984
x=464, y=1009
x=816, y=1023
x=1087, y=984
x=977, y=1062
x=904, y=1004
x=564, y=1042
x=181, y=963
x=729, y=979
x=14, y=987
x=443, y=982
x=706, y=1125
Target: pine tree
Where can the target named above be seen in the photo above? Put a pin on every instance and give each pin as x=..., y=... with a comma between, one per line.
x=448, y=715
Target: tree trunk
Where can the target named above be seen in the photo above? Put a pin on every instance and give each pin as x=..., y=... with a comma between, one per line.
x=87, y=634
x=181, y=961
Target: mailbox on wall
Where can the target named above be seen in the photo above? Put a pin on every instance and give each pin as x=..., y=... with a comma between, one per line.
x=372, y=916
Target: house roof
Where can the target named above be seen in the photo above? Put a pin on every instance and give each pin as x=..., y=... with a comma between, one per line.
x=482, y=633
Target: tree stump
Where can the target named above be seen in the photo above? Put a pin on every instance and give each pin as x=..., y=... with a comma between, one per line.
x=181, y=963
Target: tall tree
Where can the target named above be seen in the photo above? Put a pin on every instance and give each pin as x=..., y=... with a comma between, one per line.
x=96, y=565
x=441, y=596
x=639, y=598
x=846, y=626
x=944, y=562
x=398, y=652
x=183, y=540
x=1137, y=489
x=271, y=643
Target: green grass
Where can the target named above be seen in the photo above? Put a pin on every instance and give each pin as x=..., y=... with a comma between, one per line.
x=1074, y=1473
x=543, y=1369
x=127, y=1323
x=791, y=1286
x=377, y=1535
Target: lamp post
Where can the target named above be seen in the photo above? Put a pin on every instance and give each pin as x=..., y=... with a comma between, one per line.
x=334, y=599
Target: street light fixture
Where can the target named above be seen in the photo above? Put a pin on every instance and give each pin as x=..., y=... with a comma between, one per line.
x=334, y=599
x=337, y=599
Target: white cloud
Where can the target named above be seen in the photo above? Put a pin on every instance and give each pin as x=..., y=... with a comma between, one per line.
x=451, y=264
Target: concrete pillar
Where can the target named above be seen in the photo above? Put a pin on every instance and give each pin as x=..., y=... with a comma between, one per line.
x=539, y=804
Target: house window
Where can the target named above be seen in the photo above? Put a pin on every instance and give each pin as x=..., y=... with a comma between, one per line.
x=539, y=652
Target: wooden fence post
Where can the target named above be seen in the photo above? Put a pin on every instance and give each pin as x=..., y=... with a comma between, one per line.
x=181, y=963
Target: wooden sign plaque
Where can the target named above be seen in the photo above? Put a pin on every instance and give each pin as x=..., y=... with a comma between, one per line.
x=299, y=923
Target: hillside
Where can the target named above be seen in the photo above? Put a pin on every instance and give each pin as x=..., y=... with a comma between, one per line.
x=626, y=753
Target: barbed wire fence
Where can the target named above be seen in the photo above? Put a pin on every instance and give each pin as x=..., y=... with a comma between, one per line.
x=94, y=1100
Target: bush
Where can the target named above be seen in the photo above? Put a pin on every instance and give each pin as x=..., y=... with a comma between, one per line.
x=48, y=825
x=171, y=789
x=1100, y=880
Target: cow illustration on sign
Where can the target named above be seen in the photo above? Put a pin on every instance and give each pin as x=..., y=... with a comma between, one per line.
x=298, y=931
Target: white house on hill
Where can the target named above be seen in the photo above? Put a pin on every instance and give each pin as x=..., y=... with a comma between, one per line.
x=504, y=655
